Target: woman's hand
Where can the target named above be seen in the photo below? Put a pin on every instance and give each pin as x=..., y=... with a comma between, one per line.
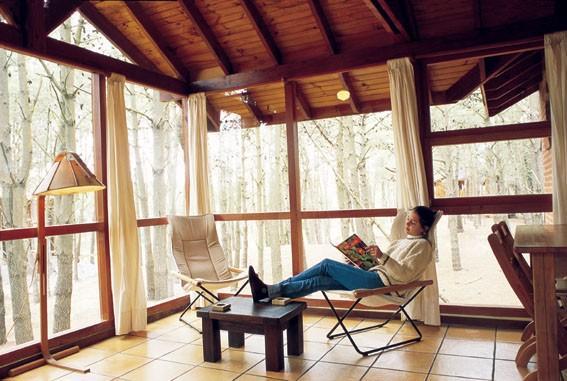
x=374, y=250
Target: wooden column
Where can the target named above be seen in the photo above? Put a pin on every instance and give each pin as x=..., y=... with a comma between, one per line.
x=293, y=176
x=422, y=95
x=98, y=83
x=185, y=147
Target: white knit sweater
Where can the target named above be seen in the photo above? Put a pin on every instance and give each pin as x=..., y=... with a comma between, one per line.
x=404, y=261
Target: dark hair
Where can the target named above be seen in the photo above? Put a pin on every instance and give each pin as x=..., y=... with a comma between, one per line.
x=426, y=216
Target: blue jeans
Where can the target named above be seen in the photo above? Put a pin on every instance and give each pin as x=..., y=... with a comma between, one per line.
x=326, y=275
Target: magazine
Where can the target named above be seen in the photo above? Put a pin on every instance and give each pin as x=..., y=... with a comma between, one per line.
x=356, y=251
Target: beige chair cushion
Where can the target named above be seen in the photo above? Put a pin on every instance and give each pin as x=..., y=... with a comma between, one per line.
x=196, y=248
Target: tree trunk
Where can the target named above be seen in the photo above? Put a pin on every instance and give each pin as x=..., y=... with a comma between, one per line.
x=260, y=186
x=275, y=200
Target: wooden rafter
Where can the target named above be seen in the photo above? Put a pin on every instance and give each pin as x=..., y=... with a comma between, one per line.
x=389, y=17
x=152, y=32
x=477, y=11
x=347, y=85
x=519, y=68
x=58, y=11
x=11, y=10
x=112, y=33
x=250, y=103
x=201, y=26
x=512, y=100
x=324, y=26
x=505, y=39
x=262, y=30
x=34, y=24
x=529, y=79
x=303, y=104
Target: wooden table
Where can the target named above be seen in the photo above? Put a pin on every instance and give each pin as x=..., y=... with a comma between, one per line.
x=543, y=243
x=245, y=316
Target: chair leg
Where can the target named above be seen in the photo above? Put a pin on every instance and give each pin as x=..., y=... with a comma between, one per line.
x=241, y=287
x=348, y=333
x=199, y=295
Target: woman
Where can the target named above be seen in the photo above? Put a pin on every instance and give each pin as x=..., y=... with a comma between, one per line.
x=404, y=261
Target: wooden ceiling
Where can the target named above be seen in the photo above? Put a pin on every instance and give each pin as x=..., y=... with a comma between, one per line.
x=251, y=46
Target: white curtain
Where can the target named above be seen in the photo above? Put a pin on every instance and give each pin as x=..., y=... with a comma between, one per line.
x=410, y=174
x=126, y=263
x=199, y=200
x=556, y=72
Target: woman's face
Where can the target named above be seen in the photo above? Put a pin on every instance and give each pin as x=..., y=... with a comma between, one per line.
x=413, y=226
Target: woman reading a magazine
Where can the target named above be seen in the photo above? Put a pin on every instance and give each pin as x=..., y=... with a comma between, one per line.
x=404, y=261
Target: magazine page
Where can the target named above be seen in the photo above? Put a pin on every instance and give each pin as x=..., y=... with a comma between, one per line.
x=355, y=250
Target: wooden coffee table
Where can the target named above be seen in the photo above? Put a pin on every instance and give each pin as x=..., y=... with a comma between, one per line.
x=245, y=316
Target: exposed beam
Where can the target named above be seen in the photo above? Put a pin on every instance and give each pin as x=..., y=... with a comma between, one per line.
x=477, y=11
x=412, y=28
x=347, y=85
x=251, y=105
x=519, y=82
x=201, y=26
x=323, y=25
x=519, y=68
x=213, y=117
x=152, y=32
x=34, y=24
x=112, y=33
x=11, y=11
x=262, y=30
x=502, y=40
x=389, y=18
x=58, y=11
x=511, y=101
x=303, y=104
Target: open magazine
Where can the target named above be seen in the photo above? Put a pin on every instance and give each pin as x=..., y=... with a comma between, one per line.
x=356, y=251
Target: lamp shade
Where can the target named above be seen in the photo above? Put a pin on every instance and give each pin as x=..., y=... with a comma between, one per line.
x=68, y=174
x=343, y=95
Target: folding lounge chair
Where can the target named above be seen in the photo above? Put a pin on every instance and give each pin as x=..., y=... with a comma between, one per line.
x=399, y=295
x=200, y=259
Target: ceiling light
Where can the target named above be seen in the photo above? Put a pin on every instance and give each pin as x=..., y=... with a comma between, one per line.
x=343, y=95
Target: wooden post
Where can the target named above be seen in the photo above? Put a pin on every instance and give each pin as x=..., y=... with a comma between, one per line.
x=424, y=120
x=293, y=176
x=185, y=147
x=98, y=84
x=42, y=270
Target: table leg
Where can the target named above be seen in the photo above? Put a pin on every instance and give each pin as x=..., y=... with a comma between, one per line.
x=211, y=340
x=543, y=265
x=295, y=336
x=273, y=341
x=235, y=339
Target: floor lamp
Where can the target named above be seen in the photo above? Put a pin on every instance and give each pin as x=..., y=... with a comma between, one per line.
x=68, y=175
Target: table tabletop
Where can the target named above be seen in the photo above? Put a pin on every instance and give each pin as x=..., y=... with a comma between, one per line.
x=550, y=239
x=253, y=312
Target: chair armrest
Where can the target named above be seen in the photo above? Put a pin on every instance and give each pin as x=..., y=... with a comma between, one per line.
x=362, y=293
x=235, y=270
x=185, y=278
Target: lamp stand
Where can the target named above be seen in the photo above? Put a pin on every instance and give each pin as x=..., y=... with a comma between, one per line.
x=42, y=269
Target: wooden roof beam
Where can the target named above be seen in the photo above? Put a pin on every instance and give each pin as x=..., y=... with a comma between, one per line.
x=347, y=85
x=262, y=30
x=201, y=26
x=519, y=69
x=303, y=104
x=511, y=101
x=59, y=11
x=507, y=39
x=251, y=105
x=518, y=83
x=112, y=33
x=324, y=26
x=33, y=24
x=11, y=11
x=389, y=15
x=149, y=27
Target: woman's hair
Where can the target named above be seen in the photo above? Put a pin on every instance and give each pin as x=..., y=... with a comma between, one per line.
x=426, y=216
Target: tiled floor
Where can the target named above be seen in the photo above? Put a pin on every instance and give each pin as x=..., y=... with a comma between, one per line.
x=169, y=350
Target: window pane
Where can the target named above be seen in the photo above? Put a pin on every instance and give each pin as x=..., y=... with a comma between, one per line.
x=497, y=168
x=19, y=294
x=467, y=269
x=156, y=154
x=73, y=296
x=263, y=244
x=158, y=264
x=470, y=113
x=46, y=109
x=348, y=160
x=248, y=168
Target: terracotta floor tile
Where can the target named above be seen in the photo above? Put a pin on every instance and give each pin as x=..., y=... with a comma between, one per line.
x=435, y=377
x=310, y=319
x=119, y=343
x=85, y=377
x=253, y=343
x=44, y=373
x=406, y=361
x=471, y=348
x=157, y=370
x=251, y=377
x=86, y=357
x=318, y=335
x=429, y=344
x=346, y=354
x=235, y=361
x=293, y=369
x=392, y=375
x=470, y=333
x=329, y=321
x=371, y=339
x=207, y=374
x=507, y=370
x=188, y=354
x=181, y=335
x=509, y=335
x=459, y=366
x=506, y=351
x=391, y=328
x=118, y=365
x=154, y=348
x=333, y=372
x=313, y=350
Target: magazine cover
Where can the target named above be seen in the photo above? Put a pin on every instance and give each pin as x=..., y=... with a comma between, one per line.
x=355, y=250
